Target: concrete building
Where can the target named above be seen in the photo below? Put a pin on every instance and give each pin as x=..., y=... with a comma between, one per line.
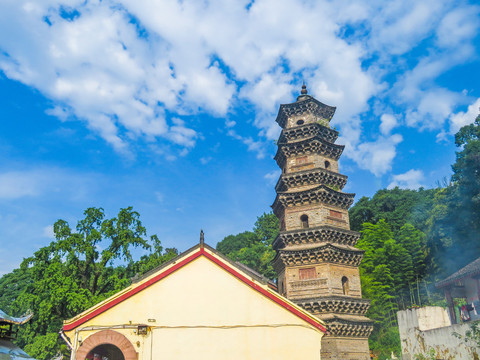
x=427, y=332
x=197, y=306
x=317, y=262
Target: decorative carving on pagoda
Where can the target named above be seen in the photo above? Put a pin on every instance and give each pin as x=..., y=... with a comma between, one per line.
x=312, y=145
x=336, y=304
x=322, y=253
x=308, y=131
x=325, y=233
x=319, y=194
x=341, y=327
x=309, y=177
x=316, y=260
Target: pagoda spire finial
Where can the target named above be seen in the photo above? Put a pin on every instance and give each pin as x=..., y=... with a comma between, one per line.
x=304, y=89
x=202, y=240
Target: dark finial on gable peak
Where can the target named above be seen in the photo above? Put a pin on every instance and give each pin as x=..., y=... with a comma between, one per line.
x=202, y=239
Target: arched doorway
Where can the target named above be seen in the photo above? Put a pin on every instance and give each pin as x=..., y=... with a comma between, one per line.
x=105, y=352
x=106, y=343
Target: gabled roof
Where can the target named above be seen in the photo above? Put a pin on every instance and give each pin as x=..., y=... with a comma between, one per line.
x=470, y=270
x=249, y=277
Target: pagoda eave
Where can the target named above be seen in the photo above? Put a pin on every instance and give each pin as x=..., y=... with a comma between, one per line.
x=347, y=325
x=335, y=304
x=315, y=145
x=324, y=253
x=320, y=194
x=306, y=105
x=323, y=233
x=308, y=131
x=309, y=177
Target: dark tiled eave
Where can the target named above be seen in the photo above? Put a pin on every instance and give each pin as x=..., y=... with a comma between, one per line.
x=308, y=104
x=472, y=269
x=315, y=173
x=319, y=194
x=311, y=145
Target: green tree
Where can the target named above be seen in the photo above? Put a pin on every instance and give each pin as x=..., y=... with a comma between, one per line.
x=77, y=270
x=396, y=206
x=11, y=286
x=254, y=249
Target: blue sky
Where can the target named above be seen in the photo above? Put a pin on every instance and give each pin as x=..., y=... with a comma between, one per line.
x=169, y=106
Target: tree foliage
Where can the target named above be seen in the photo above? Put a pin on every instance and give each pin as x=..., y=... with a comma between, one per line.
x=80, y=268
x=254, y=248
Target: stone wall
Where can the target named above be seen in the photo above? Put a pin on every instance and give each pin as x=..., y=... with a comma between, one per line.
x=327, y=281
x=429, y=329
x=317, y=216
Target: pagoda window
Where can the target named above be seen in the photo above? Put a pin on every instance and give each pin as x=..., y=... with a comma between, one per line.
x=327, y=164
x=345, y=286
x=300, y=122
x=307, y=273
x=304, y=220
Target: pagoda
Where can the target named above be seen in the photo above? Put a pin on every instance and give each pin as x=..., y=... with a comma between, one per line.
x=316, y=259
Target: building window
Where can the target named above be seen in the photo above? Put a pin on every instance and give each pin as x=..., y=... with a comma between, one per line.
x=304, y=220
x=327, y=164
x=345, y=285
x=307, y=273
x=300, y=122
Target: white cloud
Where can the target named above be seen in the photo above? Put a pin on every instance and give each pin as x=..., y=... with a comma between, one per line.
x=377, y=156
x=457, y=26
x=252, y=145
x=273, y=176
x=205, y=160
x=124, y=66
x=412, y=179
x=388, y=122
x=461, y=118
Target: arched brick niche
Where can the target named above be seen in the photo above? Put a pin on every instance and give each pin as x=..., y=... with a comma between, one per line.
x=107, y=337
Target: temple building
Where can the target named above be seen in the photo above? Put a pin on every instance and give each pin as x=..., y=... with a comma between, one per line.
x=316, y=261
x=199, y=305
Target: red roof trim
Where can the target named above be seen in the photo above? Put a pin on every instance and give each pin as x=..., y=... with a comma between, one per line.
x=175, y=267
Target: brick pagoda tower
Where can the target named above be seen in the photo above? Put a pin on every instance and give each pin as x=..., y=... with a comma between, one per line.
x=316, y=261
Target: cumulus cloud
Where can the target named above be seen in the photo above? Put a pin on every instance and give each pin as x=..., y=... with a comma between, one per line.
x=131, y=69
x=412, y=179
x=377, y=156
x=462, y=118
x=273, y=176
x=388, y=122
